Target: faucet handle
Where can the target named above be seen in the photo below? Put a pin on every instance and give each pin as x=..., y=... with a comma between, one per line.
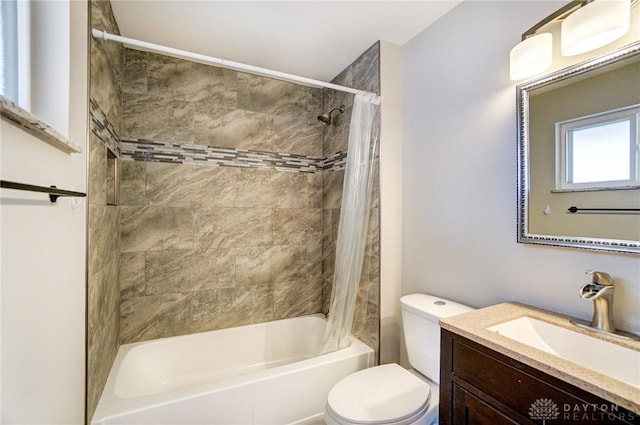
x=600, y=278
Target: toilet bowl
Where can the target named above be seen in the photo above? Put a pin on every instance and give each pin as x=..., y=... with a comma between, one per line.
x=390, y=394
x=387, y=394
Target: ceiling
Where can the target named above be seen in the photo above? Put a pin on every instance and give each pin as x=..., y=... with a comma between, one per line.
x=314, y=39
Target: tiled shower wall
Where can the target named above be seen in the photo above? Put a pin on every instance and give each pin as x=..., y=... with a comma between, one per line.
x=104, y=220
x=207, y=247
x=193, y=246
x=212, y=247
x=235, y=239
x=362, y=74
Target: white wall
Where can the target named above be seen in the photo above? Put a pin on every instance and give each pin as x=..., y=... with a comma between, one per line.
x=459, y=181
x=390, y=200
x=49, y=45
x=42, y=261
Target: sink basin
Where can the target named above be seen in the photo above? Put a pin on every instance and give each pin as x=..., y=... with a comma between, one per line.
x=610, y=359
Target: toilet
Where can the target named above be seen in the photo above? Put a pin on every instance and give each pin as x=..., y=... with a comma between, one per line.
x=389, y=394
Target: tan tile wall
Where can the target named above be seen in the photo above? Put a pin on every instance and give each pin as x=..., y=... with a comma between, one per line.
x=225, y=247
x=255, y=224
x=104, y=221
x=173, y=100
x=362, y=74
x=206, y=247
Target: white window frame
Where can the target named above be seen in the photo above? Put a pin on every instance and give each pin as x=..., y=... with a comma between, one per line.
x=43, y=81
x=564, y=157
x=16, y=52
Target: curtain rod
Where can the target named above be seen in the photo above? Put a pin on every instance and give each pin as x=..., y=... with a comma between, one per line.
x=210, y=60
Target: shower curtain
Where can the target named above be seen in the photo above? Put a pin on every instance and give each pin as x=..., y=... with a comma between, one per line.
x=354, y=220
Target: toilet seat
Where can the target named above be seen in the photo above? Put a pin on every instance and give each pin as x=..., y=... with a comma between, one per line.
x=387, y=394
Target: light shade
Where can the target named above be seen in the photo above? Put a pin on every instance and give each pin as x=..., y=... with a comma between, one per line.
x=594, y=25
x=531, y=56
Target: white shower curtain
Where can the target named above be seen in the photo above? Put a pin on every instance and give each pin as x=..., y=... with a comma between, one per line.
x=354, y=220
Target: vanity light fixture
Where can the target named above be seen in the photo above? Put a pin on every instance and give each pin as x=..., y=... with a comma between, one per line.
x=585, y=25
x=594, y=25
x=531, y=56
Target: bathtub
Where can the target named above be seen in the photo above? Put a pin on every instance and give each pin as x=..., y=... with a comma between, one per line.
x=266, y=373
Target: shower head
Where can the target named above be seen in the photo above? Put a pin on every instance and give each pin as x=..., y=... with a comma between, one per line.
x=326, y=117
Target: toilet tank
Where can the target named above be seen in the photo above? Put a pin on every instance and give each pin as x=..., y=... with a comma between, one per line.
x=420, y=316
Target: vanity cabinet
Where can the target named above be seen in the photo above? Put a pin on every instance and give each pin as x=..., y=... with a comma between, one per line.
x=481, y=386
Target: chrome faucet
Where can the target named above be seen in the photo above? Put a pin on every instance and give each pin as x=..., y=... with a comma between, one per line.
x=600, y=291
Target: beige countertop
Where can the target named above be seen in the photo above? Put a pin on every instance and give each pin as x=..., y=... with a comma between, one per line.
x=473, y=325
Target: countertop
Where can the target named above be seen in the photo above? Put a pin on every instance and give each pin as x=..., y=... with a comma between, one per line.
x=473, y=325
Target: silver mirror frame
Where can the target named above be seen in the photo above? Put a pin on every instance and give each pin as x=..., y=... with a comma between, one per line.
x=524, y=236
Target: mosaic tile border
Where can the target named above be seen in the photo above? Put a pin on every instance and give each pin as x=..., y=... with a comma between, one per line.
x=335, y=162
x=102, y=128
x=157, y=151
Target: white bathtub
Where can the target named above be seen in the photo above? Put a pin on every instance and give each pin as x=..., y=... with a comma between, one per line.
x=258, y=374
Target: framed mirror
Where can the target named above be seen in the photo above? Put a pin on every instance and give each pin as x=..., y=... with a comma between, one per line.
x=578, y=155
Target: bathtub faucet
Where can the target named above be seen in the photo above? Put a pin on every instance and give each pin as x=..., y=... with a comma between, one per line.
x=600, y=291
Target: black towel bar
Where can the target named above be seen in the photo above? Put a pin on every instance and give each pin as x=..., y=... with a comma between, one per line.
x=576, y=209
x=54, y=192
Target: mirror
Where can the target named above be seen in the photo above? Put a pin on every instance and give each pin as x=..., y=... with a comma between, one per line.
x=578, y=151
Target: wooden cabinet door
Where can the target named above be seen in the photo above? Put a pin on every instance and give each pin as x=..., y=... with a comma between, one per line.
x=470, y=410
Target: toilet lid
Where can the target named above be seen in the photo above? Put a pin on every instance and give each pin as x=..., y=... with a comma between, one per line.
x=380, y=394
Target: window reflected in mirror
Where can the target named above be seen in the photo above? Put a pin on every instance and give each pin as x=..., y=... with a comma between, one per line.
x=598, y=152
